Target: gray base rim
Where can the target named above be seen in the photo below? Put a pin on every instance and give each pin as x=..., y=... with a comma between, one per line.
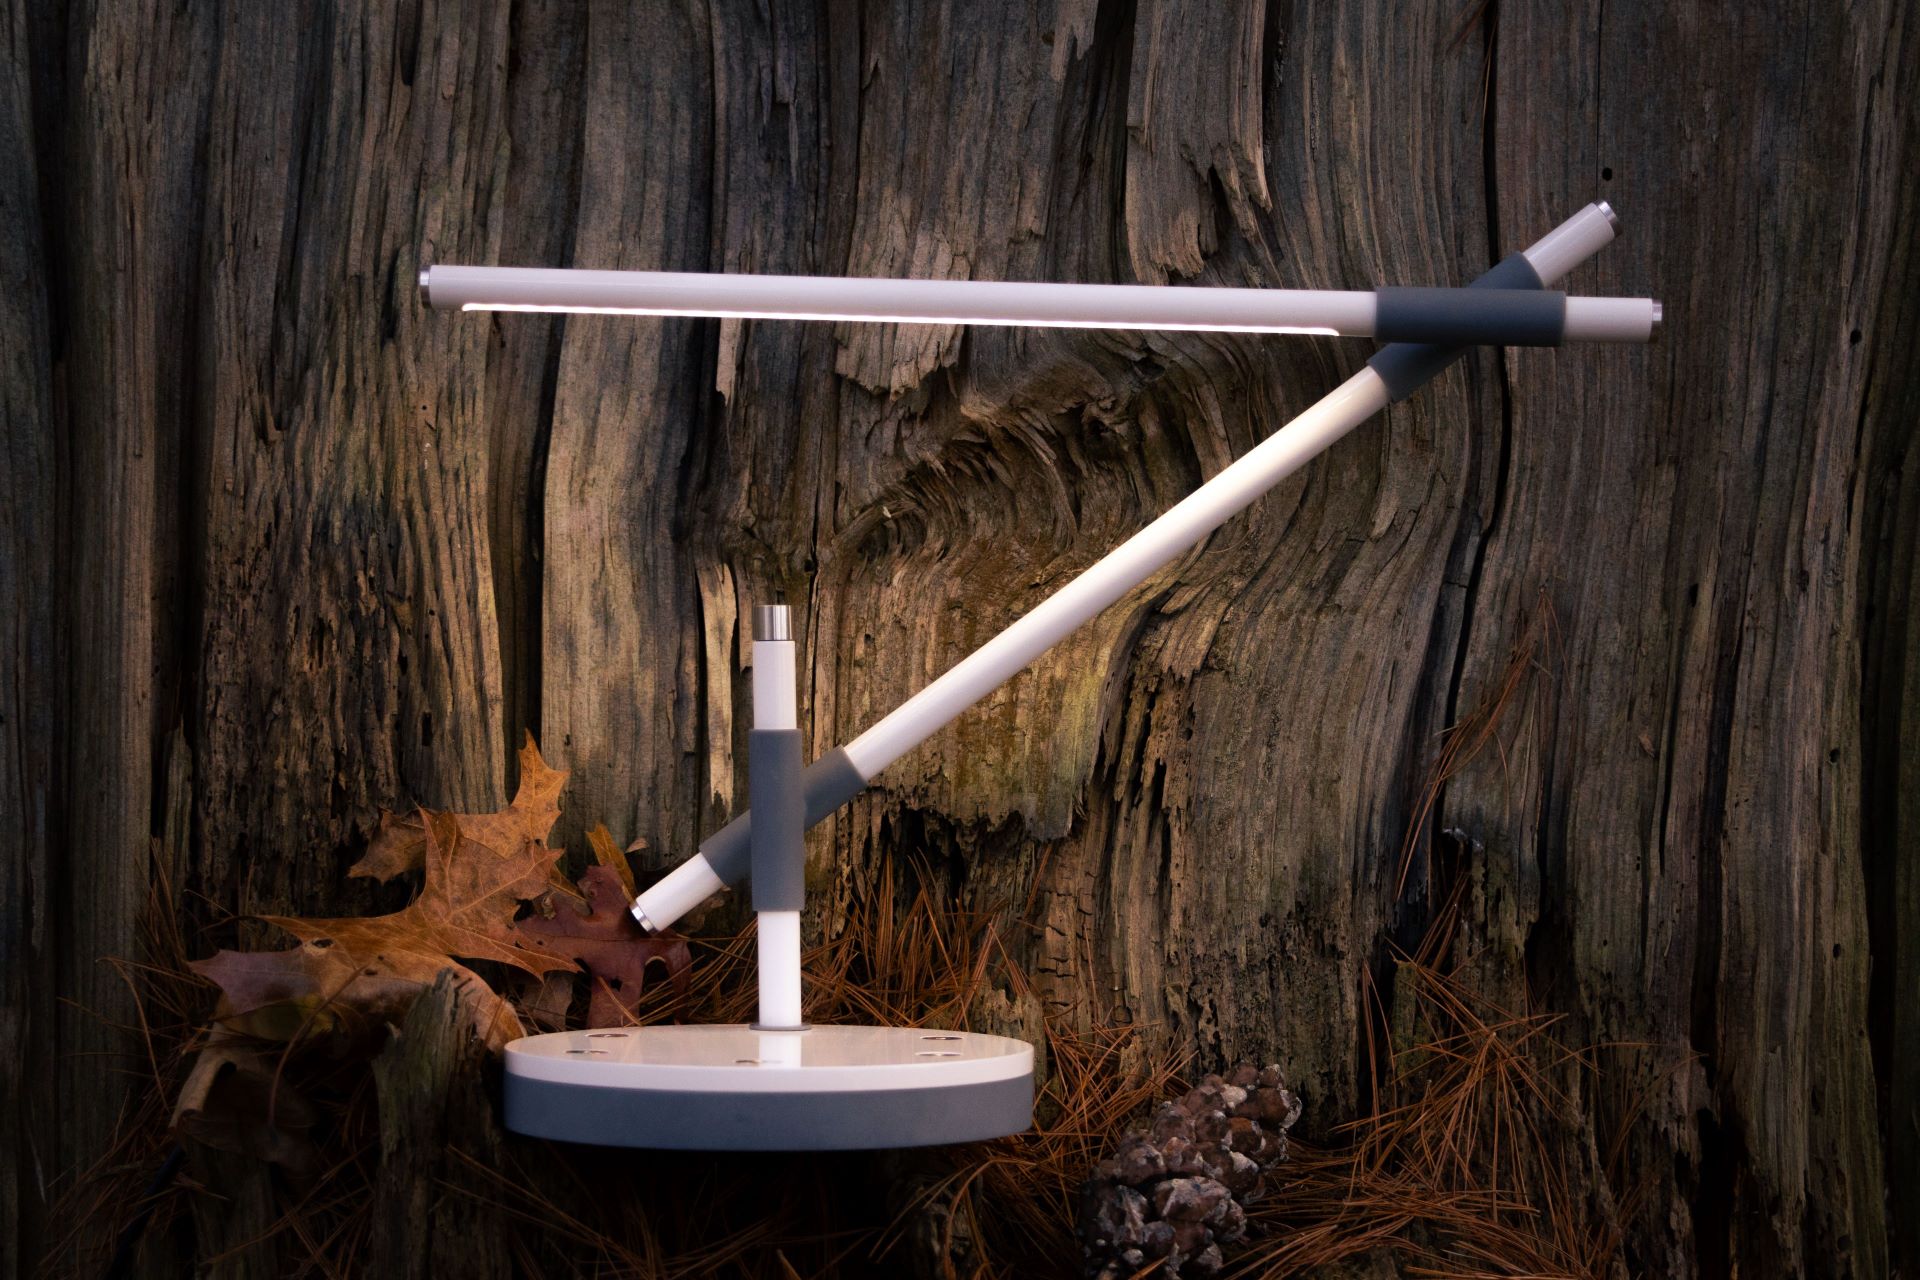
x=695, y=1120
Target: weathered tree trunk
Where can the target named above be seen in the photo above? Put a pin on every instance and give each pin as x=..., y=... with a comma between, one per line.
x=31, y=672
x=257, y=496
x=433, y=1114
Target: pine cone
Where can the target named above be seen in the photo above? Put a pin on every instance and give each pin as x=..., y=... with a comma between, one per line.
x=1181, y=1189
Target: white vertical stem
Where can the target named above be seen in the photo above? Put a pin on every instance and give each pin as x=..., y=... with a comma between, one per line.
x=776, y=706
x=774, y=700
x=779, y=968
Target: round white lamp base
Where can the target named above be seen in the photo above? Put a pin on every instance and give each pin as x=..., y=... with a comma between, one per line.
x=733, y=1088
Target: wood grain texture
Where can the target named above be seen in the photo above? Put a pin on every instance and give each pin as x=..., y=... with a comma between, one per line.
x=30, y=666
x=346, y=563
x=128, y=197
x=620, y=698
x=1889, y=484
x=546, y=46
x=347, y=548
x=1694, y=816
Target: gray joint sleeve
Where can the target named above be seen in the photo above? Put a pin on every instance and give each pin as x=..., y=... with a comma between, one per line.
x=778, y=842
x=825, y=785
x=1467, y=317
x=1407, y=366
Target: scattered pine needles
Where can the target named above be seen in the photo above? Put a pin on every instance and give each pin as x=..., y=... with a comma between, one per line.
x=1474, y=1161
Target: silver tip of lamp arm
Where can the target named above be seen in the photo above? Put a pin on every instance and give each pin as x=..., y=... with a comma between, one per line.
x=426, y=285
x=1658, y=316
x=1613, y=219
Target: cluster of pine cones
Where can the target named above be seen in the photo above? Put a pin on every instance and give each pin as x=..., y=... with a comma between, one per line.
x=1180, y=1190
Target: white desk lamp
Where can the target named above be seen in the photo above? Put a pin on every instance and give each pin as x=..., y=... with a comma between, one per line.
x=778, y=1084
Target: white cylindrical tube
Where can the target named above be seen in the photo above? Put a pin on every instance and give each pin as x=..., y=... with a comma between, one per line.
x=774, y=700
x=775, y=714
x=1573, y=242
x=1350, y=313
x=1611, y=319
x=779, y=949
x=676, y=893
x=1098, y=306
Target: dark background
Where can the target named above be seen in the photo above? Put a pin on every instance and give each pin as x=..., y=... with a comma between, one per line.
x=278, y=546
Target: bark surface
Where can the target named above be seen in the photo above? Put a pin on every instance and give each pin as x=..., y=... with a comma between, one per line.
x=278, y=546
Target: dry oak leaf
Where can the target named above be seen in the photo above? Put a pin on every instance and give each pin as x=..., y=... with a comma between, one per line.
x=400, y=843
x=376, y=965
x=608, y=942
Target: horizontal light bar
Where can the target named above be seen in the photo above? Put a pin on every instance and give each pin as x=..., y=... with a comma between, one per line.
x=1503, y=317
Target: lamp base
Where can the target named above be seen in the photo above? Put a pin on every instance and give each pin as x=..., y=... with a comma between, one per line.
x=732, y=1088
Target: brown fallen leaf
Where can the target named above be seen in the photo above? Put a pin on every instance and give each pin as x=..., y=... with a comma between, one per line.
x=376, y=965
x=606, y=941
x=400, y=843
x=465, y=908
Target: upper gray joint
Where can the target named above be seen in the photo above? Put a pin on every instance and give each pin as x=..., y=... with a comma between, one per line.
x=426, y=285
x=1473, y=316
x=1613, y=219
x=772, y=622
